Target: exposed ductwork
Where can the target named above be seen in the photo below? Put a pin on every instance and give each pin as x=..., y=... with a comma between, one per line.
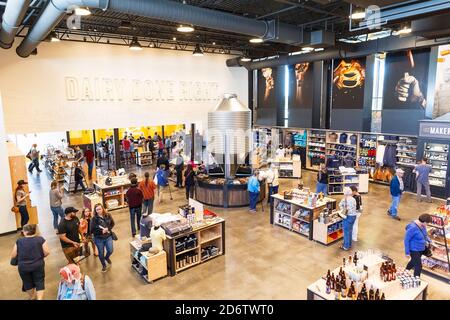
x=52, y=15
x=168, y=11
x=12, y=18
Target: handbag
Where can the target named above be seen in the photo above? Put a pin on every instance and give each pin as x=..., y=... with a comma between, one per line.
x=15, y=209
x=427, y=252
x=14, y=261
x=114, y=236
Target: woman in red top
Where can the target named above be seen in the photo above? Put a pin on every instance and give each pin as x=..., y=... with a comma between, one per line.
x=160, y=147
x=147, y=186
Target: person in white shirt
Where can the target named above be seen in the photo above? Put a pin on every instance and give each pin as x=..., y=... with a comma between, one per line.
x=272, y=181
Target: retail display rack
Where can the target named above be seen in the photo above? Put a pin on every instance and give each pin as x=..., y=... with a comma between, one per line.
x=294, y=215
x=113, y=196
x=438, y=264
x=144, y=158
x=194, y=247
x=69, y=178
x=315, y=149
x=149, y=266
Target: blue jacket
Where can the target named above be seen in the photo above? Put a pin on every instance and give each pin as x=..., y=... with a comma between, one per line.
x=395, y=187
x=163, y=177
x=253, y=184
x=415, y=239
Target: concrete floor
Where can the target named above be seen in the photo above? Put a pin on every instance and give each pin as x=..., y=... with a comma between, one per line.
x=261, y=261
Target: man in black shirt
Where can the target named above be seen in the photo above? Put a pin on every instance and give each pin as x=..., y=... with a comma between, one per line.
x=69, y=235
x=163, y=160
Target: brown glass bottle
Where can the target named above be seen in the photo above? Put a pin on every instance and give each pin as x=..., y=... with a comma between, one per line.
x=355, y=259
x=382, y=271
x=394, y=271
x=328, y=285
x=377, y=294
x=371, y=293
x=383, y=297
x=333, y=283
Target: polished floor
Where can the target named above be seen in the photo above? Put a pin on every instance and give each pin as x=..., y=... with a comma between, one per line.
x=261, y=262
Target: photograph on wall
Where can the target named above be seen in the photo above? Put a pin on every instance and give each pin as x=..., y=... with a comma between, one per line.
x=348, y=83
x=267, y=87
x=405, y=80
x=301, y=86
x=442, y=92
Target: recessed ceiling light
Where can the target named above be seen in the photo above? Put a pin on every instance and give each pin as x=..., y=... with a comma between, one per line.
x=197, y=51
x=319, y=49
x=307, y=49
x=82, y=11
x=358, y=15
x=174, y=39
x=256, y=40
x=214, y=43
x=182, y=28
x=246, y=59
x=135, y=45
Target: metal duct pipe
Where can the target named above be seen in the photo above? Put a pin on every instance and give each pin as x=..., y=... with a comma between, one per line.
x=168, y=11
x=12, y=18
x=52, y=15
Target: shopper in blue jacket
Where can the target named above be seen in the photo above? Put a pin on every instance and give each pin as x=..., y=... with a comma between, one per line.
x=416, y=239
x=397, y=187
x=253, y=190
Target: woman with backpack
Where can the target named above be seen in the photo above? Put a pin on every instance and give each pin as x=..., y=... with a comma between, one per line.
x=101, y=228
x=74, y=285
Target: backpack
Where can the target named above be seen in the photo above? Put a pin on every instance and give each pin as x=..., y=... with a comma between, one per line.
x=161, y=177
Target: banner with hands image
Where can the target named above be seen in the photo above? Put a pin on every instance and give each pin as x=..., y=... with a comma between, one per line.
x=406, y=80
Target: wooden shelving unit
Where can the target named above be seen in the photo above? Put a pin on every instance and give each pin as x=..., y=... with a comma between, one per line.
x=315, y=143
x=149, y=267
x=209, y=235
x=69, y=178
x=325, y=233
x=113, y=192
x=144, y=158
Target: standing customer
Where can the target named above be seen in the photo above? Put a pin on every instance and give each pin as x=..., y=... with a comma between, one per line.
x=33, y=155
x=396, y=189
x=134, y=198
x=160, y=147
x=79, y=155
x=359, y=209
x=101, y=227
x=85, y=231
x=162, y=177
x=147, y=186
x=253, y=190
x=126, y=145
x=179, y=166
x=189, y=181
x=69, y=235
x=56, y=195
x=89, y=155
x=79, y=177
x=74, y=285
x=322, y=180
x=30, y=252
x=272, y=180
x=20, y=195
x=416, y=241
x=422, y=172
x=162, y=160
x=348, y=207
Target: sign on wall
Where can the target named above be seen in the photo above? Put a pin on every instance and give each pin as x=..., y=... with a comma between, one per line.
x=442, y=91
x=348, y=83
x=438, y=130
x=301, y=86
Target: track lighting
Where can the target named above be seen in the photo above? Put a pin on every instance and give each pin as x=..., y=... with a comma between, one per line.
x=135, y=45
x=197, y=51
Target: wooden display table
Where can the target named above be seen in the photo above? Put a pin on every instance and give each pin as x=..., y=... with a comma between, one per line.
x=90, y=200
x=210, y=234
x=287, y=167
x=287, y=218
x=328, y=233
x=116, y=191
x=149, y=266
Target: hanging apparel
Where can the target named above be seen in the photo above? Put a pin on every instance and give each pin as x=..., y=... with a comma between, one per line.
x=354, y=139
x=343, y=138
x=380, y=154
x=390, y=156
x=334, y=162
x=333, y=137
x=300, y=138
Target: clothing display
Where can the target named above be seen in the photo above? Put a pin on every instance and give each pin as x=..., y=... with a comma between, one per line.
x=333, y=137
x=354, y=139
x=334, y=161
x=390, y=156
x=343, y=138
x=300, y=138
x=380, y=154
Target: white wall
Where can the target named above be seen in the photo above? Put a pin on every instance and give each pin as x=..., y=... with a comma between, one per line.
x=75, y=86
x=7, y=219
x=25, y=141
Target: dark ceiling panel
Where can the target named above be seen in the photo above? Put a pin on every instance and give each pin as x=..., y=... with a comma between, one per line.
x=380, y=3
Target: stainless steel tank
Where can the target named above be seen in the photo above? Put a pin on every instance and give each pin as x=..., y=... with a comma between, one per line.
x=229, y=133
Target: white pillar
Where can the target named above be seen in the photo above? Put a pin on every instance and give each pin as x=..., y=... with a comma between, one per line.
x=7, y=218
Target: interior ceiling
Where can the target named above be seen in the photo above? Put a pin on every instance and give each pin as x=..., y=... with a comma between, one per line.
x=312, y=15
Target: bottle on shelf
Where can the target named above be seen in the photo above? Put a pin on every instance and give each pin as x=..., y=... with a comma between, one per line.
x=343, y=262
x=328, y=285
x=377, y=294
x=371, y=293
x=383, y=297
x=349, y=260
x=333, y=283
x=343, y=289
x=355, y=259
x=382, y=271
x=394, y=272
x=364, y=292
x=338, y=292
x=328, y=274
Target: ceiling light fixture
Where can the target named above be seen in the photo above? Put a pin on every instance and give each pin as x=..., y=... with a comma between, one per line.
x=307, y=49
x=214, y=43
x=319, y=49
x=82, y=11
x=135, y=45
x=246, y=58
x=405, y=30
x=197, y=51
x=54, y=37
x=182, y=28
x=358, y=15
x=256, y=40
x=174, y=39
